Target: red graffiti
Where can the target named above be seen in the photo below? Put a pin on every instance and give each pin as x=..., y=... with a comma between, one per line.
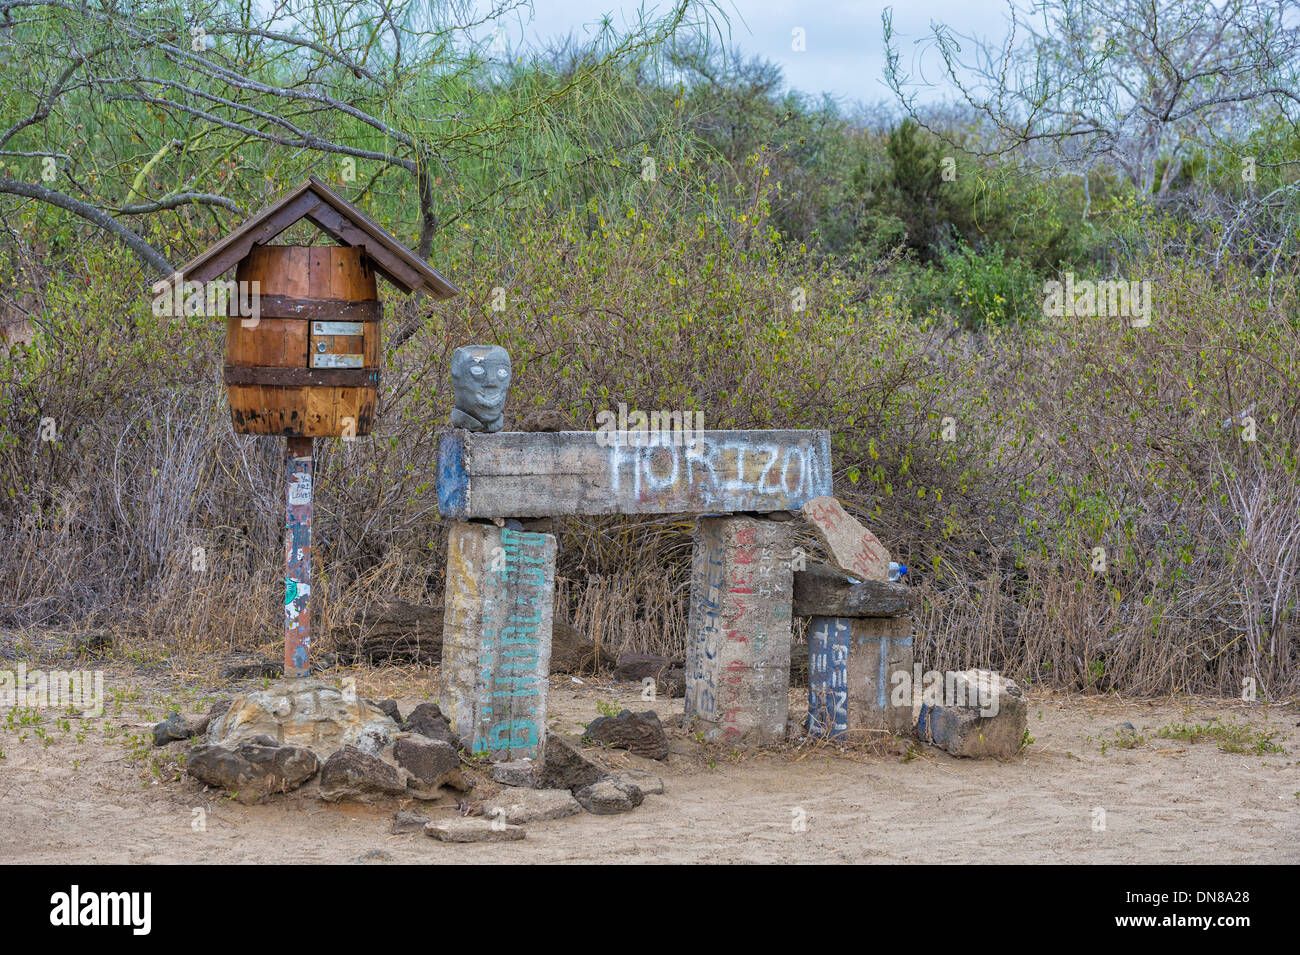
x=828, y=514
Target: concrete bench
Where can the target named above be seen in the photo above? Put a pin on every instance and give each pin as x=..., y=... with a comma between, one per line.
x=500, y=583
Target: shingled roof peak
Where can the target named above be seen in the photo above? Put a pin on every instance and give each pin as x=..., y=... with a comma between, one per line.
x=339, y=219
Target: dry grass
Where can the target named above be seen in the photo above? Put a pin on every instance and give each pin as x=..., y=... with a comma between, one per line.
x=1071, y=436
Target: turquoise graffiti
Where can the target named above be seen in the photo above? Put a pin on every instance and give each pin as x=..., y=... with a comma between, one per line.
x=511, y=660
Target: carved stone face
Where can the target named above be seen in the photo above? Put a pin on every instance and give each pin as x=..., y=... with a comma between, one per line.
x=480, y=375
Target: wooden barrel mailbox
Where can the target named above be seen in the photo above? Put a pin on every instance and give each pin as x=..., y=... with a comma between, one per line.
x=309, y=365
x=304, y=363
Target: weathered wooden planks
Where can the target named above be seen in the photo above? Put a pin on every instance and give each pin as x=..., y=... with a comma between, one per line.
x=738, y=633
x=310, y=309
x=340, y=219
x=301, y=378
x=496, y=647
x=312, y=374
x=517, y=474
x=822, y=591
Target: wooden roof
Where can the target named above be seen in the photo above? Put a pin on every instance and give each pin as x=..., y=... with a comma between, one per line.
x=336, y=217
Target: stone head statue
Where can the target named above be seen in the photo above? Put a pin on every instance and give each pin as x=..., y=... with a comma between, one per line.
x=480, y=375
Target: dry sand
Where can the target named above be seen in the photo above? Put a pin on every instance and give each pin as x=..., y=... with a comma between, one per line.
x=94, y=801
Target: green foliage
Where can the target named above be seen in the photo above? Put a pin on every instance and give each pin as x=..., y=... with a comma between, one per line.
x=931, y=197
x=776, y=264
x=991, y=288
x=904, y=197
x=1231, y=737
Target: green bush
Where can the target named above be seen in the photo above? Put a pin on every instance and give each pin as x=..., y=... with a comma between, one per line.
x=991, y=288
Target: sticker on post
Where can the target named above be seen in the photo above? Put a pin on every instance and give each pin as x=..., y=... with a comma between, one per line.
x=300, y=490
x=337, y=328
x=336, y=361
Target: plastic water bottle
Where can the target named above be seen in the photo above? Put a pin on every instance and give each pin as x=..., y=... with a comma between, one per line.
x=896, y=570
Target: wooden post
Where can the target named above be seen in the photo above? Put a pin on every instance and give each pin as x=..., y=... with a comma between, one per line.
x=738, y=634
x=496, y=638
x=297, y=556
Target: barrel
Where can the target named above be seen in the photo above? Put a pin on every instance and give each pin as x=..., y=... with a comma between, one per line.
x=309, y=365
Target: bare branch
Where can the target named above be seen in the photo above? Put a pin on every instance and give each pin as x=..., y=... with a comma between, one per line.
x=139, y=246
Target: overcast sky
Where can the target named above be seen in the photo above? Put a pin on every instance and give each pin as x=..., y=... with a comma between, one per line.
x=844, y=52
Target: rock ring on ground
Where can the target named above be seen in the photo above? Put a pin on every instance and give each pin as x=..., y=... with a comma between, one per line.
x=564, y=767
x=609, y=796
x=252, y=770
x=473, y=829
x=353, y=774
x=304, y=712
x=639, y=733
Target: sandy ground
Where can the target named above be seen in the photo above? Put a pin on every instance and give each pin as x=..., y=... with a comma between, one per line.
x=85, y=793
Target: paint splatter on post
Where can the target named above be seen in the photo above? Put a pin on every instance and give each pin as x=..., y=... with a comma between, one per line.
x=739, y=628
x=297, y=556
x=497, y=638
x=828, y=683
x=859, y=676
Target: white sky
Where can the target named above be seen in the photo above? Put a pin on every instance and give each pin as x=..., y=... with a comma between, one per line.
x=845, y=51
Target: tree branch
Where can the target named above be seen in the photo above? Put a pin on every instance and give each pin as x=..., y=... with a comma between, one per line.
x=139, y=246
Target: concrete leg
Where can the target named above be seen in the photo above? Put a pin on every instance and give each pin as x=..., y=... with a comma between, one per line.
x=496, y=639
x=738, y=636
x=880, y=648
x=853, y=687
x=828, y=676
